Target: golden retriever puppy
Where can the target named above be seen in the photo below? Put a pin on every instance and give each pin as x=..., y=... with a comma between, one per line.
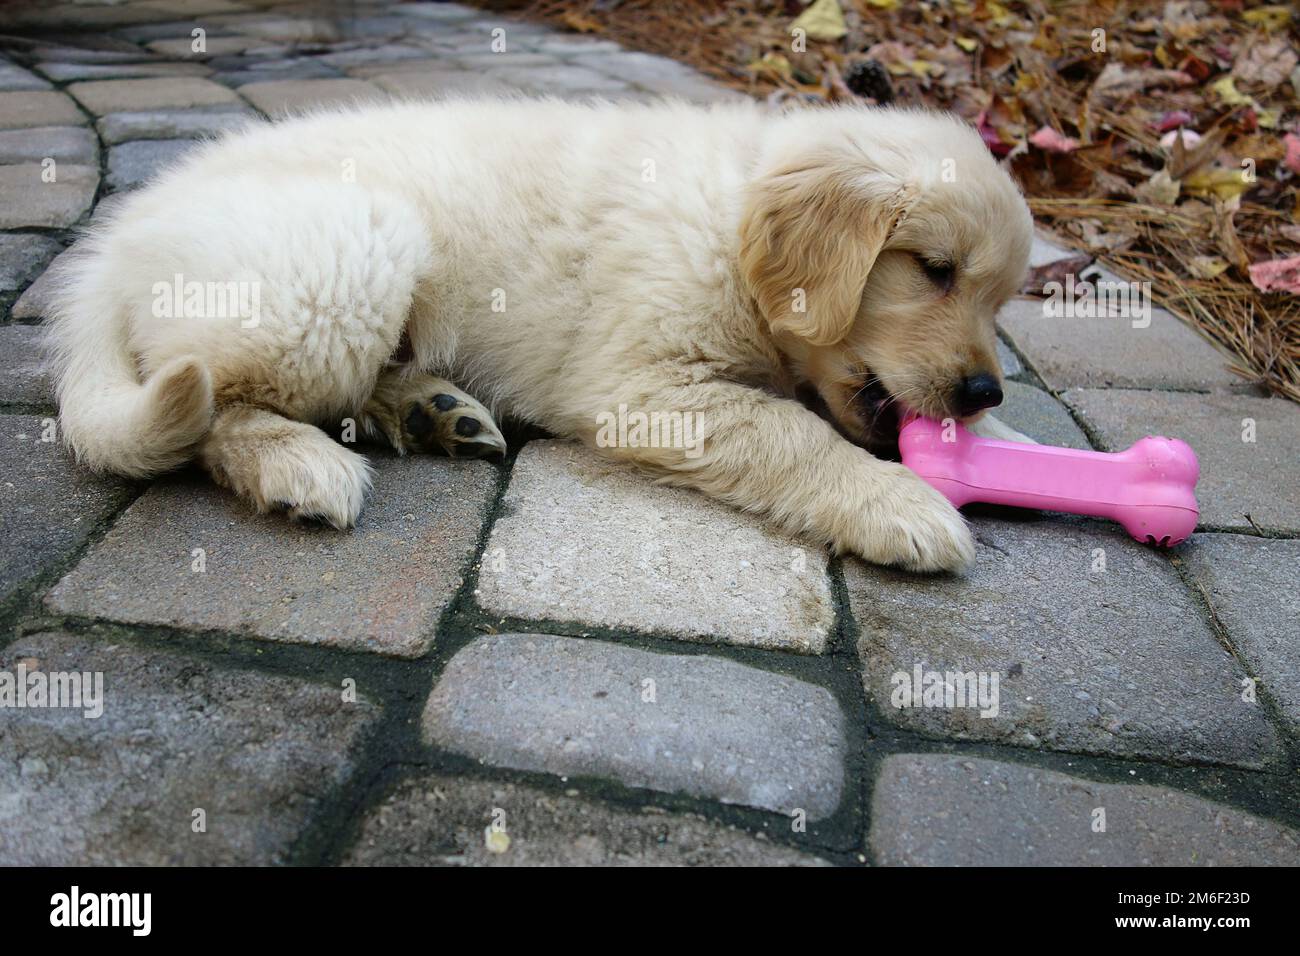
x=414, y=269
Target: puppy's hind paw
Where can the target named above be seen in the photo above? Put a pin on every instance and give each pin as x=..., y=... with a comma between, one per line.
x=454, y=422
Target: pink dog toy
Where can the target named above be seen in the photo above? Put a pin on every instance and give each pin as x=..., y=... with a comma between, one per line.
x=1148, y=488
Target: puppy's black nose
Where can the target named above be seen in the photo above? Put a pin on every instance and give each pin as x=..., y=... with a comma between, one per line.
x=978, y=392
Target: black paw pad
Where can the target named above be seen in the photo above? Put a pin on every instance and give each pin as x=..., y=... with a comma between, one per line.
x=445, y=403
x=467, y=427
x=418, y=423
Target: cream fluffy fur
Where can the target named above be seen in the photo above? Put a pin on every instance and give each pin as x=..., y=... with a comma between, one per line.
x=651, y=256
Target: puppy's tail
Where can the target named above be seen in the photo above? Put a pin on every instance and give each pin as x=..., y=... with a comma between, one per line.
x=112, y=420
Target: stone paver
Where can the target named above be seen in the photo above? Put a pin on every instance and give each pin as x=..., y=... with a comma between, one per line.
x=182, y=48
x=1238, y=477
x=1108, y=352
x=69, y=72
x=496, y=61
x=583, y=538
x=274, y=71
x=434, y=83
x=560, y=80
x=657, y=74
x=1118, y=661
x=24, y=378
x=35, y=302
x=438, y=820
x=14, y=78
x=28, y=199
x=1253, y=584
x=288, y=96
x=131, y=165
x=941, y=810
x=23, y=110
x=420, y=65
x=23, y=257
x=95, y=48
x=48, y=507
x=688, y=723
x=127, y=96
x=63, y=144
x=170, y=124
x=386, y=53
x=1037, y=414
x=1009, y=361
x=255, y=753
x=380, y=587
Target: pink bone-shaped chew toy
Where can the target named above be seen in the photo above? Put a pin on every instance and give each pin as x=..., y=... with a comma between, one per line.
x=1149, y=488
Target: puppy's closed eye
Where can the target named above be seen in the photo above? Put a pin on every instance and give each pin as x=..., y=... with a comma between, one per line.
x=941, y=273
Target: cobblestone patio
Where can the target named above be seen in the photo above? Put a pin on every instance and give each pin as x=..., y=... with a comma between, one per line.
x=554, y=661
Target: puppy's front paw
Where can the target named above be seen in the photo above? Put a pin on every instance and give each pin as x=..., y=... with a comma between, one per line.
x=911, y=525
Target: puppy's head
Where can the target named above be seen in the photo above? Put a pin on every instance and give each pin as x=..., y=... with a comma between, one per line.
x=879, y=245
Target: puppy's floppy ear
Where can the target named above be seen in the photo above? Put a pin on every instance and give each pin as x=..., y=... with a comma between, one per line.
x=816, y=224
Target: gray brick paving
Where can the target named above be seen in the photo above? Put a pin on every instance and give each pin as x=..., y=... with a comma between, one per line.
x=1037, y=414
x=1011, y=365
x=287, y=96
x=939, y=810
x=277, y=71
x=582, y=538
x=1118, y=661
x=182, y=48
x=169, y=124
x=561, y=80
x=255, y=754
x=439, y=83
x=440, y=820
x=14, y=78
x=693, y=724
x=124, y=96
x=1121, y=663
x=29, y=199
x=380, y=588
x=1254, y=586
x=24, y=373
x=131, y=165
x=68, y=72
x=23, y=257
x=34, y=302
x=23, y=110
x=1108, y=351
x=48, y=507
x=1239, y=477
x=63, y=144
x=655, y=73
